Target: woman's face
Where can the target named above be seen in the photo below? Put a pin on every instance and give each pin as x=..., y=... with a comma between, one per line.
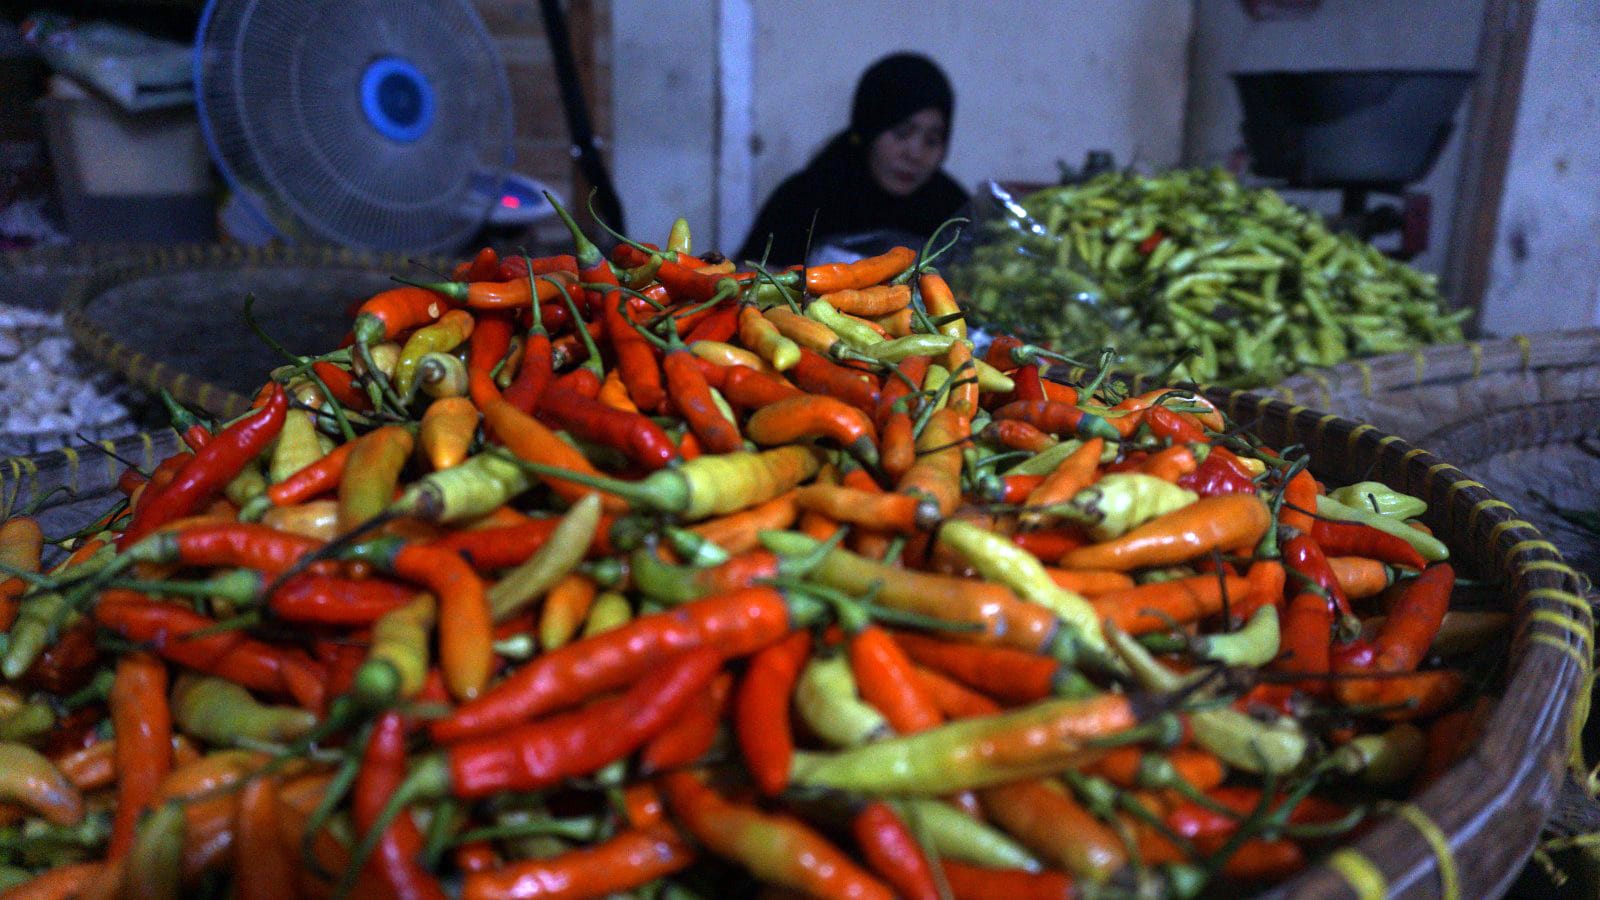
x=903, y=158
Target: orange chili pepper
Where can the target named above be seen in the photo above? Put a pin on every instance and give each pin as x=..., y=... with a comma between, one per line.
x=143, y=723
x=446, y=431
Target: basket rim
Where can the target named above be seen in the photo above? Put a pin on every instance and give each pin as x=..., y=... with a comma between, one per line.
x=1517, y=766
x=1438, y=365
x=137, y=261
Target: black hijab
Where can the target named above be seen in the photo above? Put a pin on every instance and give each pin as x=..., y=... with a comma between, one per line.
x=837, y=186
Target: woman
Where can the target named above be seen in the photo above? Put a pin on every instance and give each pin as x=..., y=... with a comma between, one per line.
x=880, y=173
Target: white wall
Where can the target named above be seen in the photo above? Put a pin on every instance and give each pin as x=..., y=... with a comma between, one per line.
x=1545, y=273
x=1339, y=34
x=1035, y=80
x=664, y=112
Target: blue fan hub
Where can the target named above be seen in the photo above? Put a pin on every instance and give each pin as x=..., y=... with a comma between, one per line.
x=397, y=99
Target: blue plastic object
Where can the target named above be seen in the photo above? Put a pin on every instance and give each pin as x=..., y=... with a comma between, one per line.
x=397, y=99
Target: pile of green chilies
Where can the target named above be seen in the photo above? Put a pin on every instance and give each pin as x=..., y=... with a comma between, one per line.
x=1190, y=261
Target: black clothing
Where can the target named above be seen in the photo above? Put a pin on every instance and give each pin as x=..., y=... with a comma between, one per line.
x=836, y=186
x=844, y=203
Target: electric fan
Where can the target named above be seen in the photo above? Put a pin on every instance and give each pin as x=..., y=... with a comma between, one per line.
x=370, y=123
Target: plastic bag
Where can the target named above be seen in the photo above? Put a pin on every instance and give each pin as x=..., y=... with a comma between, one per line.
x=135, y=70
x=1020, y=276
x=1189, y=271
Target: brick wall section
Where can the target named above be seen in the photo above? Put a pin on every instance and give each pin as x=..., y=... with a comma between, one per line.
x=539, y=125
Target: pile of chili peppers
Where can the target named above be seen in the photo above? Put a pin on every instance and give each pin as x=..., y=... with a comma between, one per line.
x=581, y=575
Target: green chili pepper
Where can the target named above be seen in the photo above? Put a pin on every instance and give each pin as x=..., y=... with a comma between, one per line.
x=1236, y=738
x=955, y=835
x=1381, y=499
x=829, y=704
x=1254, y=645
x=1390, y=758
x=856, y=334
x=558, y=556
x=477, y=486
x=998, y=559
x=898, y=349
x=218, y=711
x=1120, y=502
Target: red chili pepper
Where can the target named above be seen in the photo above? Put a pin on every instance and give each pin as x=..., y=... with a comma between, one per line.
x=236, y=544
x=490, y=339
x=540, y=754
x=1299, y=502
x=1173, y=426
x=172, y=631
x=761, y=711
x=485, y=266
x=205, y=475
x=691, y=395
x=1302, y=554
x=693, y=734
x=1015, y=676
x=737, y=623
x=747, y=388
x=636, y=359
x=720, y=325
x=1356, y=539
x=814, y=373
x=1029, y=386
x=1219, y=473
x=383, y=769
x=502, y=547
x=342, y=385
x=893, y=852
x=999, y=352
x=971, y=882
x=1306, y=640
x=519, y=266
x=331, y=600
x=628, y=860
x=645, y=442
x=1057, y=418
x=1149, y=244
x=1050, y=544
x=888, y=681
x=385, y=315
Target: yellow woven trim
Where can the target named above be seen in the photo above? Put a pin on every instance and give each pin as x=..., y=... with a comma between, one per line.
x=1433, y=471
x=1287, y=393
x=1459, y=484
x=1578, y=656
x=1411, y=454
x=1477, y=358
x=1530, y=544
x=1526, y=346
x=1324, y=385
x=1262, y=401
x=1480, y=506
x=1559, y=596
x=1582, y=629
x=72, y=457
x=1322, y=425
x=1494, y=533
x=1364, y=877
x=1356, y=433
x=1296, y=410
x=1548, y=565
x=1449, y=879
x=110, y=448
x=1419, y=363
x=1366, y=378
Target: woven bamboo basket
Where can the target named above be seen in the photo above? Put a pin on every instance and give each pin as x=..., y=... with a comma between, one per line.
x=1520, y=413
x=173, y=317
x=1472, y=830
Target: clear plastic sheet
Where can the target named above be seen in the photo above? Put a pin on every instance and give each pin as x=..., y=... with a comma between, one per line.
x=1189, y=265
